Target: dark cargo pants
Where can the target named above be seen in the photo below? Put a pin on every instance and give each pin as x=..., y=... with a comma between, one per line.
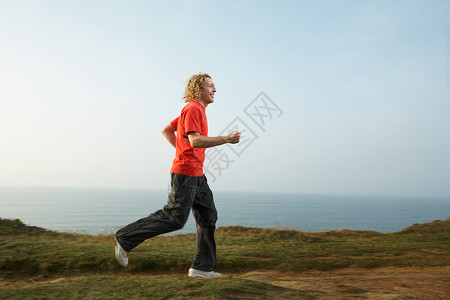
x=187, y=193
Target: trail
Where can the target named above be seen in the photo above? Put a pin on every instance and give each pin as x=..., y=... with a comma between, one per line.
x=379, y=283
x=354, y=283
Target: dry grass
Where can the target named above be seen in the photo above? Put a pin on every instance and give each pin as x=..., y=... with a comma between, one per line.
x=35, y=253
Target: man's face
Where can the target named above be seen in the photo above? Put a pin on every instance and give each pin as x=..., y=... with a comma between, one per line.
x=207, y=93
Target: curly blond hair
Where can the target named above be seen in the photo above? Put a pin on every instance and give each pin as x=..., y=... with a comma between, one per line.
x=193, y=86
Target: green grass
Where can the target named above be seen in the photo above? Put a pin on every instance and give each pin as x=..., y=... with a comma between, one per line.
x=88, y=261
x=156, y=287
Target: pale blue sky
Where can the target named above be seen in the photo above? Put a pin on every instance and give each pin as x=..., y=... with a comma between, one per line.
x=87, y=86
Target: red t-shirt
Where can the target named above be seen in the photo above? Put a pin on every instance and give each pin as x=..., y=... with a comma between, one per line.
x=189, y=161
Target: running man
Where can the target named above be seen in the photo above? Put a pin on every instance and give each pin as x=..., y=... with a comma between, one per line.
x=188, y=133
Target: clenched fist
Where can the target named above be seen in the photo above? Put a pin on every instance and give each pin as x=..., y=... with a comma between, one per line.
x=234, y=137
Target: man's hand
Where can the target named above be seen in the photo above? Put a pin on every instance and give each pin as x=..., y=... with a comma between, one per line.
x=200, y=141
x=234, y=137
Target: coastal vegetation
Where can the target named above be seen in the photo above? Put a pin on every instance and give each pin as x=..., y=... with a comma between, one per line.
x=68, y=265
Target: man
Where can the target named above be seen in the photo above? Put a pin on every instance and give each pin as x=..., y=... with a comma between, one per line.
x=188, y=133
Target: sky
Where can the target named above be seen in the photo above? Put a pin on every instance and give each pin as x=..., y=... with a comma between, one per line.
x=333, y=97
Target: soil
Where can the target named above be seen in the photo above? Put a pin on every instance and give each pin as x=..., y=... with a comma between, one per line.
x=352, y=283
x=349, y=283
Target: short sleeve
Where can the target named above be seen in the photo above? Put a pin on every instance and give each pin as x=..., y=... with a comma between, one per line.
x=174, y=123
x=193, y=120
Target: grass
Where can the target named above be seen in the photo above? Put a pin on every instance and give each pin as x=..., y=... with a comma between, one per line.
x=28, y=252
x=159, y=287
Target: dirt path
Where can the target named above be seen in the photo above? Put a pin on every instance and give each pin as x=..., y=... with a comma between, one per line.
x=350, y=283
x=381, y=283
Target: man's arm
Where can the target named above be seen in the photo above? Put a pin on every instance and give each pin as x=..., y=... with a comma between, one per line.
x=200, y=141
x=169, y=134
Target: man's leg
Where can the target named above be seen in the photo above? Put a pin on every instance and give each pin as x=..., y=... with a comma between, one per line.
x=172, y=217
x=205, y=214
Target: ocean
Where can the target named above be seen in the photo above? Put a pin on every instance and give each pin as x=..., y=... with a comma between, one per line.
x=103, y=211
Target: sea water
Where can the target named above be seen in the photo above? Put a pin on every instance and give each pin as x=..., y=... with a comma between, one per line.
x=103, y=211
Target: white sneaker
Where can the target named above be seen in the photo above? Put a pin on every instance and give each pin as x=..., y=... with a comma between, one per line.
x=204, y=274
x=121, y=255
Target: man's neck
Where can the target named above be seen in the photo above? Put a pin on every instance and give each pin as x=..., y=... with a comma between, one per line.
x=202, y=103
